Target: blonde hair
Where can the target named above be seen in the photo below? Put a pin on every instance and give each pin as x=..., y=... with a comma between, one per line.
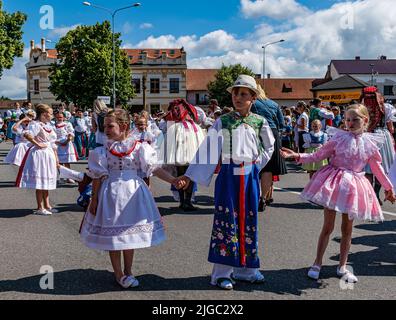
x=316, y=121
x=261, y=93
x=40, y=109
x=120, y=116
x=361, y=110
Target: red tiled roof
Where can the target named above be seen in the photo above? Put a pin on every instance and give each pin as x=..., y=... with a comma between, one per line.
x=52, y=53
x=288, y=89
x=134, y=54
x=198, y=79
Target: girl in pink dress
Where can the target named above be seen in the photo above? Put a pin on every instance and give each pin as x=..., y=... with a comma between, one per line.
x=342, y=187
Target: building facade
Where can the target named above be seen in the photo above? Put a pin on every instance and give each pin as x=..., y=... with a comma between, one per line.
x=158, y=75
x=379, y=72
x=37, y=74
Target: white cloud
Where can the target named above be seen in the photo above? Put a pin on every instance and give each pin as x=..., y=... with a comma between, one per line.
x=146, y=26
x=60, y=32
x=13, y=82
x=275, y=9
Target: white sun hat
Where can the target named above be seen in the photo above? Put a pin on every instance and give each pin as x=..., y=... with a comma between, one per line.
x=245, y=81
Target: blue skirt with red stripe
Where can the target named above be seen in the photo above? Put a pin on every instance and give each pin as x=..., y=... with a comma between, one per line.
x=234, y=234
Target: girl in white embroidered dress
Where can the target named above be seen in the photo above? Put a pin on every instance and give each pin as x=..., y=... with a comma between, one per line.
x=122, y=215
x=39, y=166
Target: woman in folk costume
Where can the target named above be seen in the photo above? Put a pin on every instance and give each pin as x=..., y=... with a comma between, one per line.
x=182, y=140
x=67, y=152
x=16, y=154
x=122, y=215
x=244, y=143
x=38, y=169
x=381, y=123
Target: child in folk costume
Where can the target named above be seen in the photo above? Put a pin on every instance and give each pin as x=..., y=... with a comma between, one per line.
x=380, y=123
x=244, y=143
x=65, y=135
x=342, y=187
x=122, y=215
x=38, y=169
x=182, y=140
x=314, y=140
x=16, y=154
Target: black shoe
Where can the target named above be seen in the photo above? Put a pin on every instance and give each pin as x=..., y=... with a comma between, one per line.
x=189, y=207
x=269, y=201
x=262, y=205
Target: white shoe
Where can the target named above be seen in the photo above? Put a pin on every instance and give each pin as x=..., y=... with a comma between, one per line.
x=346, y=275
x=53, y=210
x=43, y=212
x=314, y=272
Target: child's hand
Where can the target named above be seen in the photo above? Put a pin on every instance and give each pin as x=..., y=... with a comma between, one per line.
x=178, y=183
x=389, y=195
x=183, y=182
x=287, y=153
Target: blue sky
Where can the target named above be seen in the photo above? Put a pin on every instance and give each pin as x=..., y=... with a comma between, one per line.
x=216, y=32
x=177, y=17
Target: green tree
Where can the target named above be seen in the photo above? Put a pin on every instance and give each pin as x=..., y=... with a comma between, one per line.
x=11, y=44
x=84, y=69
x=225, y=78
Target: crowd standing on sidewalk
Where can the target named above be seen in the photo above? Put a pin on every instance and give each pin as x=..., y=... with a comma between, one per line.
x=348, y=152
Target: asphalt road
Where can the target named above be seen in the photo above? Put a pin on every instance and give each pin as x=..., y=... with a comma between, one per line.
x=178, y=269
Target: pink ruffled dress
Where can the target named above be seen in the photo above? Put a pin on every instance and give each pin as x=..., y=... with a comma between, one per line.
x=341, y=185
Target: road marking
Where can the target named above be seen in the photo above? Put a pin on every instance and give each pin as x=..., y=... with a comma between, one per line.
x=298, y=193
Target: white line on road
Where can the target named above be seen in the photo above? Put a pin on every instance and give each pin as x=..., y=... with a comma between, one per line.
x=298, y=193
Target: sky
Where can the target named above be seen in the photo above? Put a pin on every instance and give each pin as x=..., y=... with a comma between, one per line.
x=216, y=32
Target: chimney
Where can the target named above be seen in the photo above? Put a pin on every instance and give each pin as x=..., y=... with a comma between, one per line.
x=268, y=75
x=357, y=58
x=43, y=44
x=31, y=44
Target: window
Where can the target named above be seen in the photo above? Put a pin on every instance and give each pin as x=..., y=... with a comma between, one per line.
x=154, y=85
x=388, y=91
x=173, y=85
x=286, y=88
x=36, y=86
x=136, y=85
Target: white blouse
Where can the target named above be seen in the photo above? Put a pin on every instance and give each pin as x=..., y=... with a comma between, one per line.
x=63, y=130
x=143, y=157
x=245, y=148
x=42, y=133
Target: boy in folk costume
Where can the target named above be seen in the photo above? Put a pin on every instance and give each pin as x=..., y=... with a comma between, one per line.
x=244, y=143
x=182, y=140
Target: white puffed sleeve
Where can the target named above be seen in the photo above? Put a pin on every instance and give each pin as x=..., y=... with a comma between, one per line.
x=148, y=159
x=97, y=163
x=307, y=140
x=33, y=129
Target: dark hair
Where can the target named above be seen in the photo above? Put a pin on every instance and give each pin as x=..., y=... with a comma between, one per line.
x=316, y=101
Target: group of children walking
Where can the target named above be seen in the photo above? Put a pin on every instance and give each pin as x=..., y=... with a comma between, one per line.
x=122, y=215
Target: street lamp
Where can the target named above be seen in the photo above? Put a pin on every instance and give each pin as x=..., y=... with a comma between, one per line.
x=113, y=13
x=265, y=46
x=372, y=73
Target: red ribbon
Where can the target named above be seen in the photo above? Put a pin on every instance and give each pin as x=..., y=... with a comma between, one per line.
x=241, y=216
x=123, y=154
x=19, y=176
